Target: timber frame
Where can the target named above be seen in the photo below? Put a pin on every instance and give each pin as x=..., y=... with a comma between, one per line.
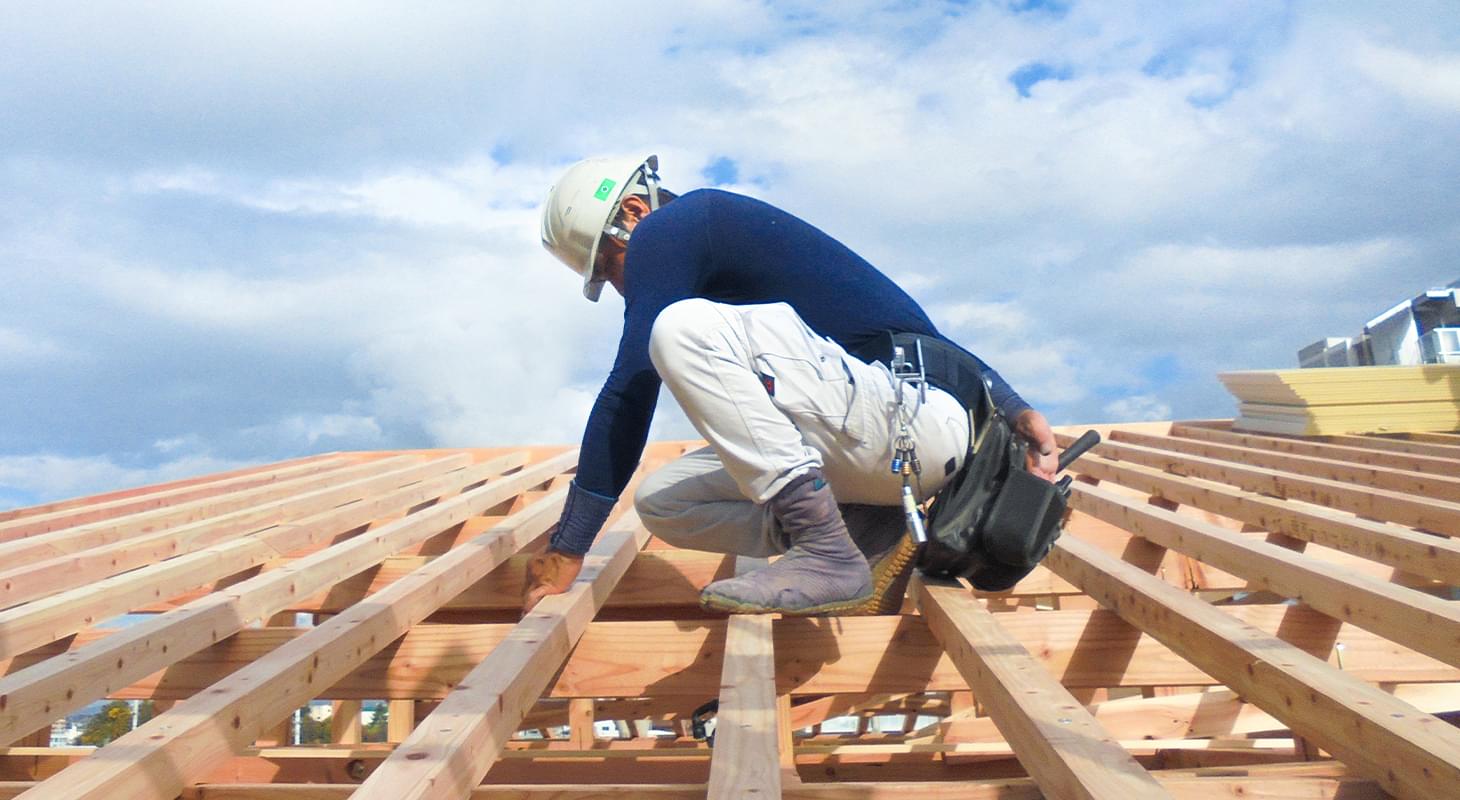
x=1227, y=614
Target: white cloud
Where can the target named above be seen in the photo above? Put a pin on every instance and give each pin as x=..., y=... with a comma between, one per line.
x=340, y=234
x=1137, y=408
x=18, y=347
x=1432, y=80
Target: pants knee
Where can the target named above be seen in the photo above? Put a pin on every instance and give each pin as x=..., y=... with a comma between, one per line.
x=678, y=327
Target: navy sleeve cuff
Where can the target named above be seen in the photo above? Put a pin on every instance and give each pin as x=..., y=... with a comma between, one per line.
x=1013, y=406
x=583, y=517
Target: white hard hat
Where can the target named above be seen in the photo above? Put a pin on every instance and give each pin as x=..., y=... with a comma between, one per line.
x=581, y=206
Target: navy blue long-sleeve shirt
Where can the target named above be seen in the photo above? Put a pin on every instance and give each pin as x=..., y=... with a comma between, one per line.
x=730, y=249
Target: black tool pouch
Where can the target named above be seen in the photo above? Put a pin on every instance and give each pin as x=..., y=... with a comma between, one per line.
x=993, y=521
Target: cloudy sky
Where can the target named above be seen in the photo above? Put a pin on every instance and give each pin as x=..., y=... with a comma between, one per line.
x=241, y=232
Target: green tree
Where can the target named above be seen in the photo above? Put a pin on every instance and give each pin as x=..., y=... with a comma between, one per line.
x=112, y=721
x=312, y=731
x=375, y=728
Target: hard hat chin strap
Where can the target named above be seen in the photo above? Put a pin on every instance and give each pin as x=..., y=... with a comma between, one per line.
x=651, y=182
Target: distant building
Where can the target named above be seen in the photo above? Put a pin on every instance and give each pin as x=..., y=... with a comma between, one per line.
x=1421, y=330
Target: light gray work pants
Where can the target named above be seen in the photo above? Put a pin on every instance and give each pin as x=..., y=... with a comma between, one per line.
x=774, y=400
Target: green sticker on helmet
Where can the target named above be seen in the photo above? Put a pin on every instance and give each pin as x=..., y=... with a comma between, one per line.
x=604, y=188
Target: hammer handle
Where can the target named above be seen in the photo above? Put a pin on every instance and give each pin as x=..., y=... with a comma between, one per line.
x=1074, y=451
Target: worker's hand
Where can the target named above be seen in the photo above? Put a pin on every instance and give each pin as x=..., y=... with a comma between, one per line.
x=548, y=572
x=1040, y=458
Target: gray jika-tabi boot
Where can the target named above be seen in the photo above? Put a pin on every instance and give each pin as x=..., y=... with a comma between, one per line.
x=823, y=572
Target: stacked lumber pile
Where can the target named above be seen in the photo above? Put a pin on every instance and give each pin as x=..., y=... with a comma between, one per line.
x=1339, y=400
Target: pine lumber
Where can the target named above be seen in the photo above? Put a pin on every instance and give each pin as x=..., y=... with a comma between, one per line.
x=1343, y=400
x=1222, y=785
x=1340, y=385
x=38, y=693
x=1347, y=451
x=1198, y=715
x=1422, y=622
x=30, y=578
x=112, y=530
x=1393, y=445
x=1409, y=753
x=107, y=505
x=48, y=619
x=1427, y=555
x=1065, y=750
x=1443, y=486
x=1421, y=512
x=746, y=758
x=457, y=743
x=682, y=659
x=158, y=759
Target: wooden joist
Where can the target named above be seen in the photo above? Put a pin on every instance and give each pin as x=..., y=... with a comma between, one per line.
x=23, y=522
x=1431, y=556
x=42, y=621
x=1065, y=750
x=453, y=748
x=1331, y=522
x=1406, y=751
x=746, y=760
x=1425, y=623
x=245, y=510
x=1406, y=509
x=37, y=694
x=1427, y=484
x=181, y=745
x=1358, y=452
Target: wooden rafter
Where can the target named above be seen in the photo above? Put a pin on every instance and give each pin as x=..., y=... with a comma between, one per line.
x=1165, y=622
x=746, y=761
x=1065, y=749
x=180, y=745
x=1407, y=751
x=456, y=745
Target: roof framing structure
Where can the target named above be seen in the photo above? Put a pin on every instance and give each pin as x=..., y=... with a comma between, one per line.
x=1228, y=614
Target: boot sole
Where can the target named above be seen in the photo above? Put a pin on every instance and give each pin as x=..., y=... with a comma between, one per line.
x=725, y=605
x=890, y=571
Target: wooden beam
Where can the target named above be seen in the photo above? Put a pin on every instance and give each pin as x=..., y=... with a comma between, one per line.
x=1307, y=447
x=1382, y=504
x=48, y=619
x=746, y=758
x=262, y=501
x=580, y=722
x=1184, y=787
x=1085, y=649
x=345, y=727
x=1197, y=714
x=1407, y=751
x=1422, y=554
x=455, y=746
x=1425, y=623
x=1441, y=485
x=1065, y=750
x=22, y=522
x=37, y=693
x=33, y=577
x=1393, y=445
x=155, y=761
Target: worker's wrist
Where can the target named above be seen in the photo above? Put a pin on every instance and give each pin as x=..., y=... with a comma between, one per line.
x=584, y=514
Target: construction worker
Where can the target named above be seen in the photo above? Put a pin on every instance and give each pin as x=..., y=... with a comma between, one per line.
x=755, y=320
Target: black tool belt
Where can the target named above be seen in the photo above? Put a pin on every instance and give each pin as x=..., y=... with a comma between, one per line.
x=992, y=522
x=947, y=366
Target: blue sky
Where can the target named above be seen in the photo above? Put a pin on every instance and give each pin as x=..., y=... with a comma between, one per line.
x=240, y=232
